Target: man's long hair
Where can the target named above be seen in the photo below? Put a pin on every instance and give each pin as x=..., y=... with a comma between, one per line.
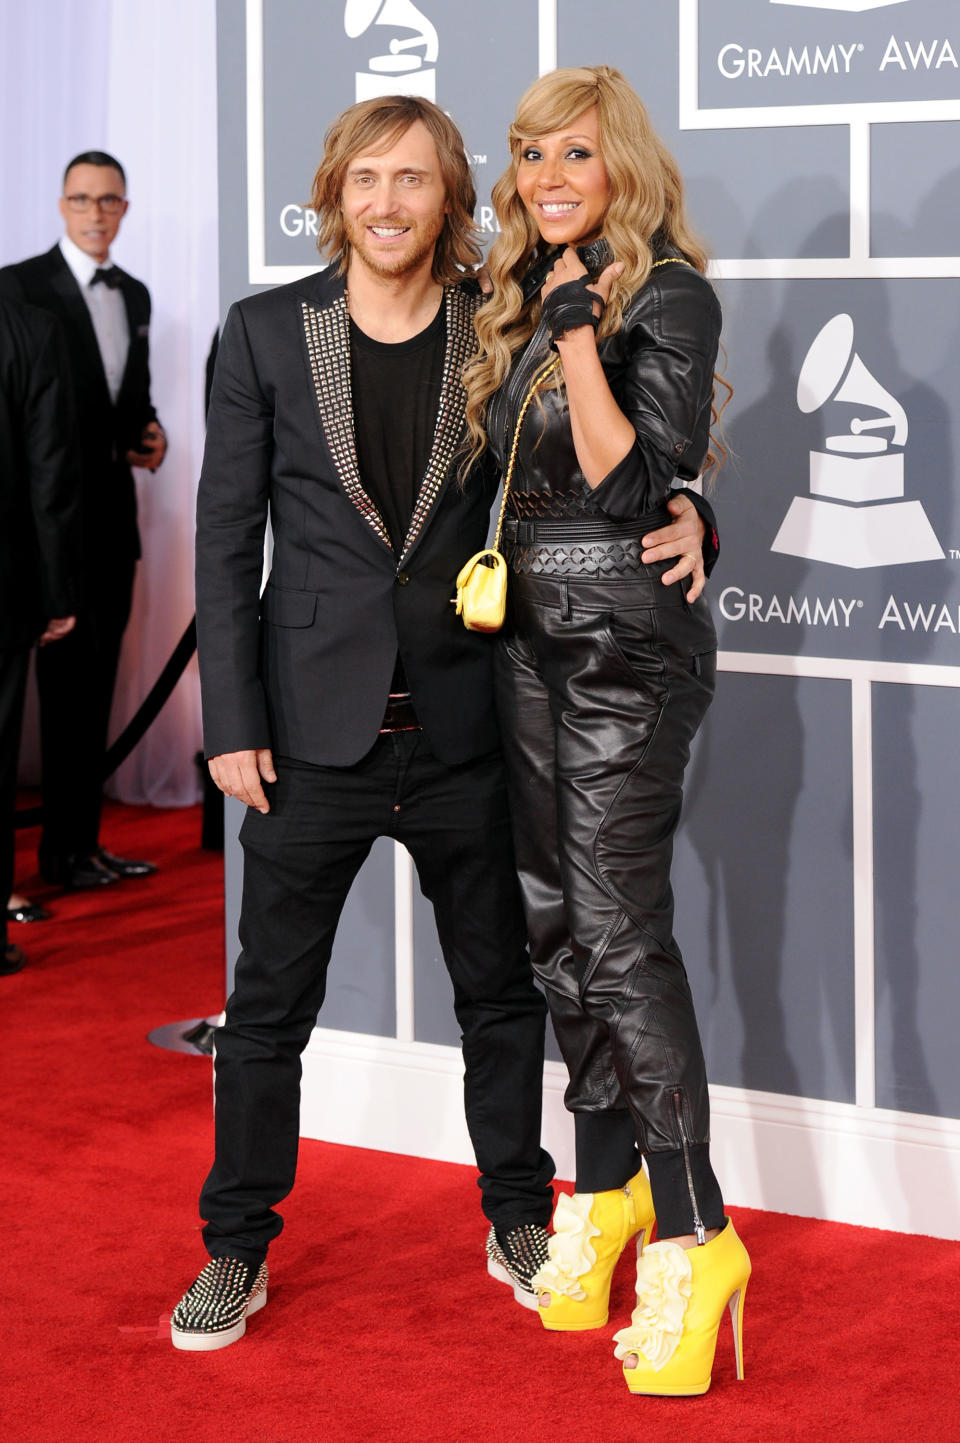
x=370, y=128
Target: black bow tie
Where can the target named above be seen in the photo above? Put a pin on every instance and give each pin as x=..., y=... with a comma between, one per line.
x=110, y=275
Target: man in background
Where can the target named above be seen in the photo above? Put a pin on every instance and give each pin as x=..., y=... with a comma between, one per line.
x=39, y=536
x=104, y=315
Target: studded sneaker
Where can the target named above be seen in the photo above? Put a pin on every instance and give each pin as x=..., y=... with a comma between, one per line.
x=513, y=1257
x=213, y=1313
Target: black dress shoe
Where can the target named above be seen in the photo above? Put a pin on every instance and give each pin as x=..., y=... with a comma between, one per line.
x=75, y=873
x=13, y=960
x=123, y=866
x=28, y=912
x=80, y=874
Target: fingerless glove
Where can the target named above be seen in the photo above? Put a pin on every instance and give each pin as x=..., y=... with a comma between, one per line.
x=568, y=306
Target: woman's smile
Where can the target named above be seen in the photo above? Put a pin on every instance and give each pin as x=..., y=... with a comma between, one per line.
x=563, y=183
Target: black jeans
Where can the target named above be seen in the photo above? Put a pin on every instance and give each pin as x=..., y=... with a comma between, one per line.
x=601, y=685
x=300, y=860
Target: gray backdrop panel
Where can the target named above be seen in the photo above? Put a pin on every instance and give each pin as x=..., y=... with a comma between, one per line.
x=763, y=879
x=917, y=770
x=763, y=868
x=916, y=195
x=908, y=335
x=746, y=48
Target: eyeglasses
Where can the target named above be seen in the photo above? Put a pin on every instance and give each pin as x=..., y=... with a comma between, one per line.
x=109, y=204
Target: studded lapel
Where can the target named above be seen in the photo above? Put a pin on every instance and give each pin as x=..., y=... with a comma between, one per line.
x=327, y=331
x=461, y=342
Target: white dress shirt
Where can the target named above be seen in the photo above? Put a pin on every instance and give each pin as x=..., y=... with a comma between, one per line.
x=107, y=312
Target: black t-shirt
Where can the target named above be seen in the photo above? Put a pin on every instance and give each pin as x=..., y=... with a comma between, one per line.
x=396, y=396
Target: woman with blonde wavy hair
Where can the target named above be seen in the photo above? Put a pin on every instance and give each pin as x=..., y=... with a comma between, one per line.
x=596, y=374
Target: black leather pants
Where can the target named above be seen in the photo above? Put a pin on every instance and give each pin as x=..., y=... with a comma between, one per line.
x=602, y=683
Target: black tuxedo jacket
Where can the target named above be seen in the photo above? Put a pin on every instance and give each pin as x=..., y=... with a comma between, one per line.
x=105, y=431
x=306, y=669
x=39, y=479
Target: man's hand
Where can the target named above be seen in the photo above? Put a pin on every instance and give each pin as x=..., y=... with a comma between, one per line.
x=683, y=539
x=153, y=448
x=238, y=774
x=57, y=626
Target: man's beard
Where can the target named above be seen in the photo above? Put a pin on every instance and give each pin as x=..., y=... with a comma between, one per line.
x=421, y=238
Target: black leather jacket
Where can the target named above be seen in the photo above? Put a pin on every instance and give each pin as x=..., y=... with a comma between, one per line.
x=659, y=366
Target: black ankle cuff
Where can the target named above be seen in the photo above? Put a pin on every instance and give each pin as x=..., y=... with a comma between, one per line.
x=670, y=1186
x=606, y=1148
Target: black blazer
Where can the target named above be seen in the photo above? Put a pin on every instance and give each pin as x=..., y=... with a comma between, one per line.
x=39, y=478
x=105, y=431
x=307, y=670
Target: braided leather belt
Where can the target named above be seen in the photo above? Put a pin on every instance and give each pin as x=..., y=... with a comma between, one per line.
x=580, y=548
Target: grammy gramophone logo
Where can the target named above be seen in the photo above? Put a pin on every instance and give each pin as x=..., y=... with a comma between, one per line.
x=856, y=514
x=402, y=70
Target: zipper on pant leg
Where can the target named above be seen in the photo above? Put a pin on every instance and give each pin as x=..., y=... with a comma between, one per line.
x=698, y=1227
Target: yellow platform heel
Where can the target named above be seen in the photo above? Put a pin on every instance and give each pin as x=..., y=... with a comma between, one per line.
x=681, y=1295
x=591, y=1230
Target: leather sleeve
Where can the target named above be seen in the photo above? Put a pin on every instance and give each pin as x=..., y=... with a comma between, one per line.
x=232, y=504
x=660, y=367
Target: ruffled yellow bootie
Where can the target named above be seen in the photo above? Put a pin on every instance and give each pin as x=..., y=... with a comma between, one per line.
x=591, y=1230
x=681, y=1295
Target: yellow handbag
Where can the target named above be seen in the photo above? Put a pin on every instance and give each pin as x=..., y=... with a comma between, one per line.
x=482, y=581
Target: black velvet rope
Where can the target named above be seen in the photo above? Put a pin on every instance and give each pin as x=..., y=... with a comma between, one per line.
x=139, y=724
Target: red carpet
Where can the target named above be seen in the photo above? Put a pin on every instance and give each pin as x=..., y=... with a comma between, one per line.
x=382, y=1323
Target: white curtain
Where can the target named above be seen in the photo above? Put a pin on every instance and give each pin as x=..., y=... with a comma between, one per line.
x=136, y=79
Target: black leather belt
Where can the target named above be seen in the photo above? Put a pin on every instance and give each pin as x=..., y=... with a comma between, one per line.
x=580, y=546
x=399, y=715
x=574, y=530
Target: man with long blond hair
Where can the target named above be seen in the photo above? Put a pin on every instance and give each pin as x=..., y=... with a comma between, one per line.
x=348, y=702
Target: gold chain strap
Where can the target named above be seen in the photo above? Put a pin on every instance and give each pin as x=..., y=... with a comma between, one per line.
x=673, y=261
x=534, y=387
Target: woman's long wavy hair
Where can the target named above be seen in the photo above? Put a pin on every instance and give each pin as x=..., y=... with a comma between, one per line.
x=646, y=212
x=371, y=127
